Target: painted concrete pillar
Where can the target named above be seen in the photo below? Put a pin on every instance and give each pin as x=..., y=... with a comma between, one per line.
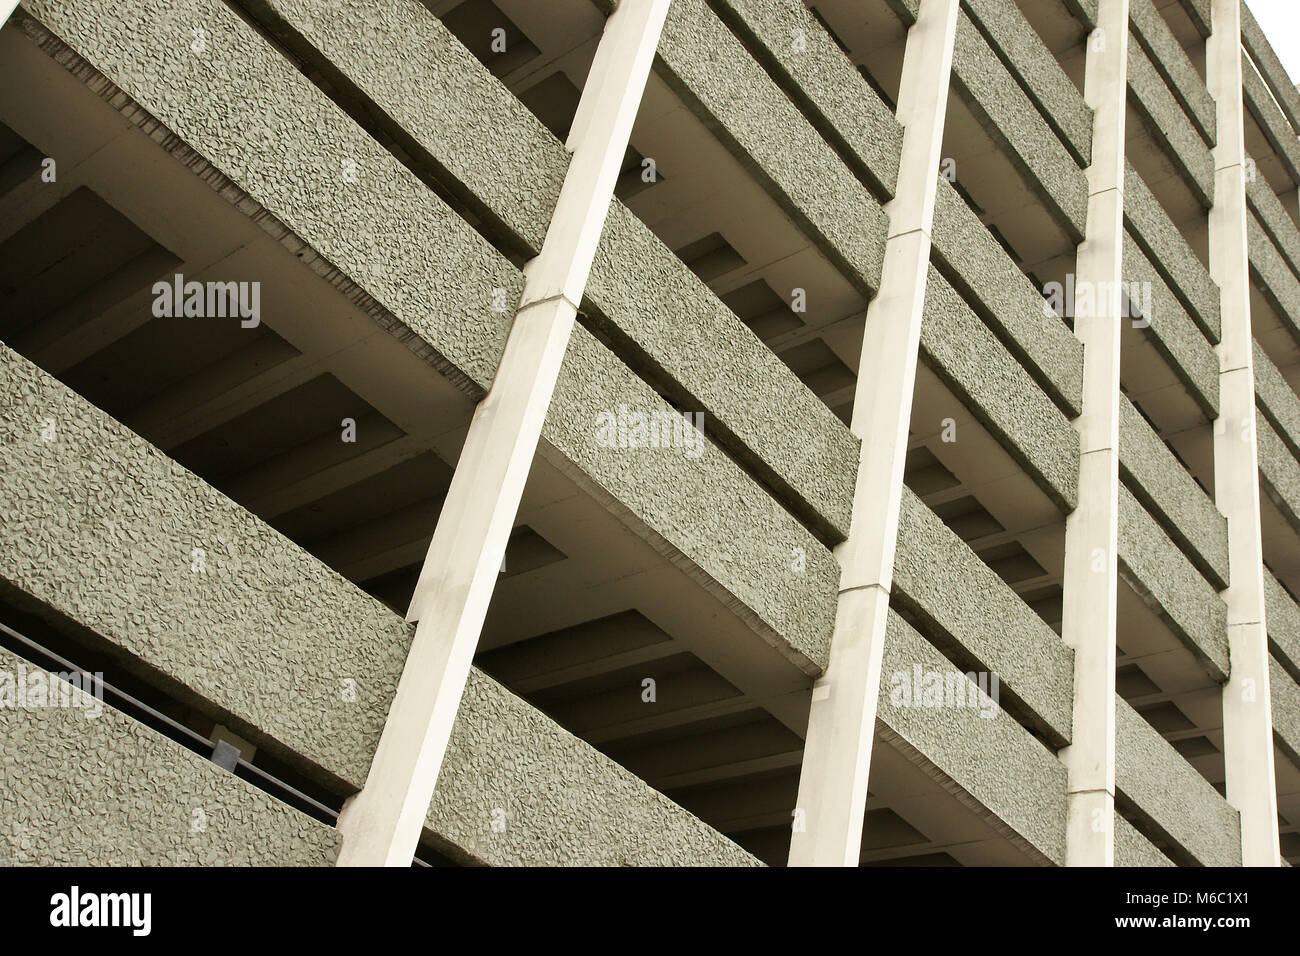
x=381, y=825
x=1247, y=707
x=1091, y=582
x=841, y=723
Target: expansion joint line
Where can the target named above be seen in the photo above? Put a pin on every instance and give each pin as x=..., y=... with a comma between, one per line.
x=382, y=824
x=828, y=819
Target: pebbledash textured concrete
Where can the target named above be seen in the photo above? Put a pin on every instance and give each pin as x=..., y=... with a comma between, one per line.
x=487, y=432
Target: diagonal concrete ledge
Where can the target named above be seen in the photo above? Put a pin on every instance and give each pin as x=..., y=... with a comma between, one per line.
x=264, y=637
x=141, y=799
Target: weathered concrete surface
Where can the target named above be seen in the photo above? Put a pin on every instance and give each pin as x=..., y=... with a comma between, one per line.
x=1276, y=400
x=1163, y=486
x=1279, y=472
x=1283, y=619
x=1261, y=51
x=1171, y=794
x=1171, y=586
x=823, y=82
x=83, y=790
x=1273, y=277
x=1168, y=57
x=977, y=265
x=1284, y=695
x=1169, y=252
x=722, y=84
x=1012, y=120
x=941, y=580
x=1018, y=45
x=274, y=134
x=1279, y=133
x=1169, y=125
x=995, y=761
x=970, y=360
x=467, y=123
x=1173, y=333
x=263, y=639
x=1133, y=849
x=1275, y=220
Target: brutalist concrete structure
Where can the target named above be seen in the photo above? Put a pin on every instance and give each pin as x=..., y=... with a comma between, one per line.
x=653, y=432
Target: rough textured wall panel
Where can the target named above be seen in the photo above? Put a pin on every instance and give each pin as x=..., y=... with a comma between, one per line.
x=945, y=583
x=995, y=760
x=267, y=633
x=470, y=124
x=1133, y=849
x=707, y=509
x=1283, y=619
x=1169, y=791
x=1166, y=248
x=1172, y=331
x=1276, y=400
x=565, y=803
x=1166, y=122
x=1273, y=276
x=823, y=81
x=364, y=230
x=1276, y=129
x=1035, y=67
x=1261, y=51
x=714, y=74
x=1007, y=114
x=1170, y=60
x=1172, y=496
x=1284, y=695
x=1277, y=222
x=1279, y=472
x=962, y=351
x=1171, y=586
x=1005, y=298
x=266, y=127
x=104, y=790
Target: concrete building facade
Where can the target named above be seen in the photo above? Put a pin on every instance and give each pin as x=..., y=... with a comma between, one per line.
x=652, y=432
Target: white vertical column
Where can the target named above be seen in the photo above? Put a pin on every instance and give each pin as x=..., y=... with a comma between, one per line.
x=381, y=825
x=1090, y=584
x=1247, y=708
x=841, y=723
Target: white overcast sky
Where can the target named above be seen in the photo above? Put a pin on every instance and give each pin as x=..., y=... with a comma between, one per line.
x=1281, y=22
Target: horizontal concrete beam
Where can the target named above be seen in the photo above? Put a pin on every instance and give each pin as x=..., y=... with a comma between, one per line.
x=993, y=761
x=1133, y=849
x=1175, y=336
x=1274, y=73
x=1171, y=586
x=709, y=68
x=137, y=798
x=432, y=281
x=1279, y=471
x=1168, y=251
x=1163, y=486
x=1275, y=220
x=436, y=97
x=1283, y=616
x=1169, y=58
x=264, y=640
x=1008, y=115
x=1284, y=695
x=1273, y=276
x=978, y=266
x=970, y=360
x=1272, y=122
x=1035, y=67
x=941, y=580
x=1169, y=125
x=1172, y=795
x=822, y=81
